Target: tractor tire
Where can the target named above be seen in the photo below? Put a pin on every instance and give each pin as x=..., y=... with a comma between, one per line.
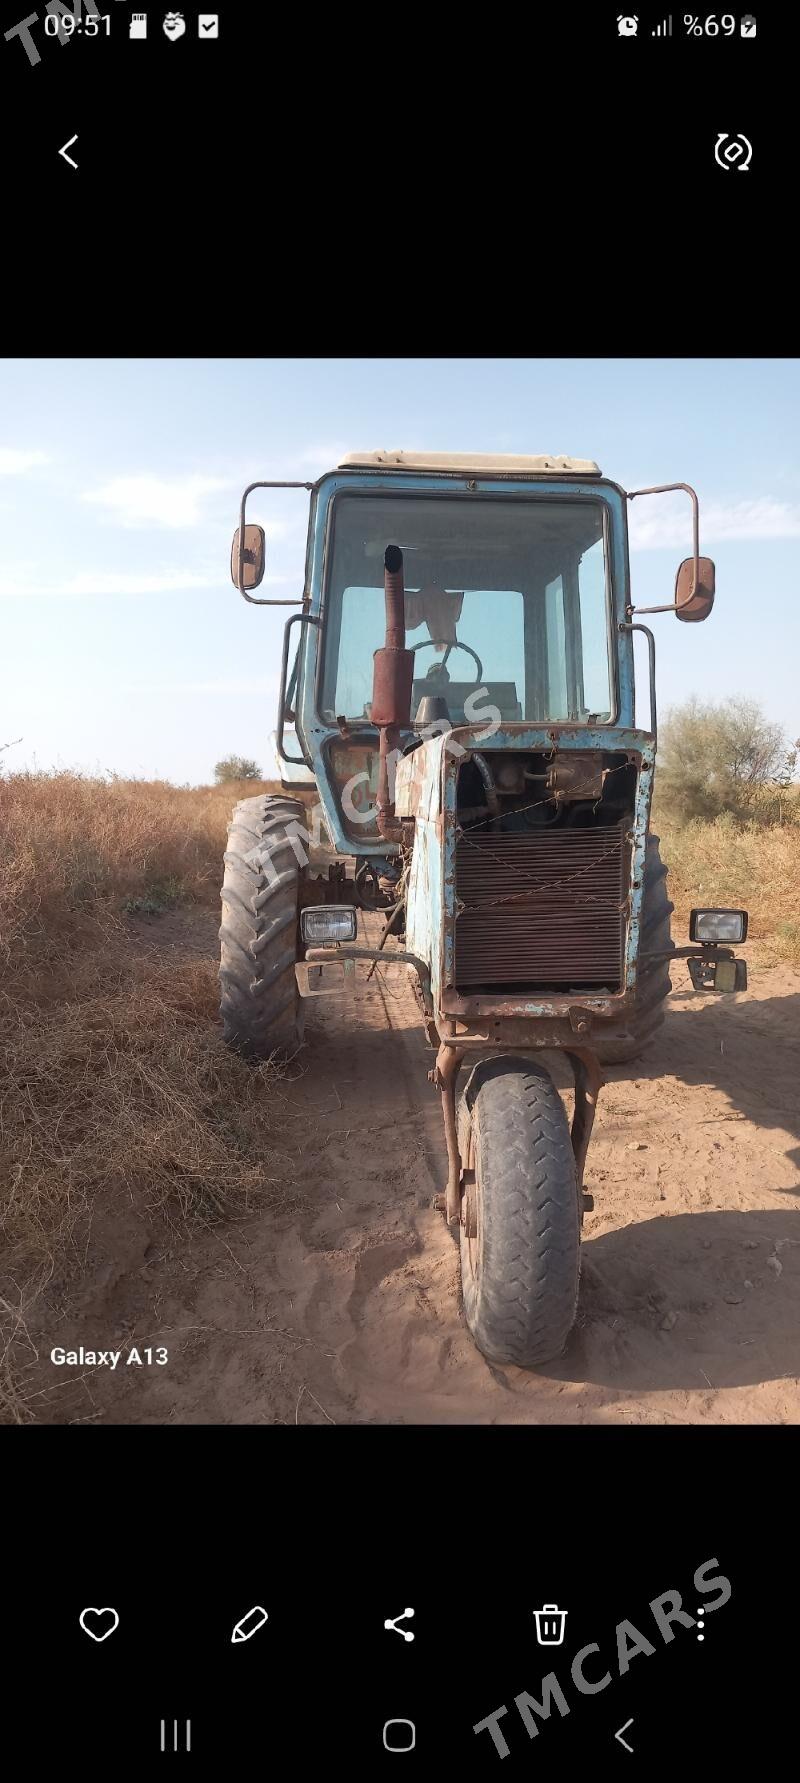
x=520, y=1222
x=261, y=1008
x=617, y=1046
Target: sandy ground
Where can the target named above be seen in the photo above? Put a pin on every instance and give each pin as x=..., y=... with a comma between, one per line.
x=344, y=1306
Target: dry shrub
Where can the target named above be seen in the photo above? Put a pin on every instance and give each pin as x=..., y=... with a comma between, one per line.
x=722, y=756
x=755, y=867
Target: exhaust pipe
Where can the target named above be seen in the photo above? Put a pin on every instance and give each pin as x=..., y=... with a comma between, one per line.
x=392, y=678
x=395, y=595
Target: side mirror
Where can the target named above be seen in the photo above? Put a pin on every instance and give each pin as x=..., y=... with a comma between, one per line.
x=693, y=601
x=254, y=556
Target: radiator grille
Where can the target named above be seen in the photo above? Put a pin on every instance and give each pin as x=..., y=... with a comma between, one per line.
x=541, y=908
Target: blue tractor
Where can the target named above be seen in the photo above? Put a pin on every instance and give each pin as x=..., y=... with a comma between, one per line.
x=462, y=699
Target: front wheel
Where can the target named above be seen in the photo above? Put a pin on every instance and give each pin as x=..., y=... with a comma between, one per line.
x=259, y=1002
x=520, y=1223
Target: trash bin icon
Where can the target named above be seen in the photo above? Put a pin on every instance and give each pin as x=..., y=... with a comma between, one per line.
x=550, y=1625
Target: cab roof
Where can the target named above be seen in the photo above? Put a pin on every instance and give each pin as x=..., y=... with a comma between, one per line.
x=473, y=463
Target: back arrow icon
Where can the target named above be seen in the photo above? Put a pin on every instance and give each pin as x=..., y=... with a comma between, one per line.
x=68, y=145
x=622, y=1730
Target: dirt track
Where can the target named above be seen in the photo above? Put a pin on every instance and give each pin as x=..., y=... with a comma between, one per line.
x=345, y=1305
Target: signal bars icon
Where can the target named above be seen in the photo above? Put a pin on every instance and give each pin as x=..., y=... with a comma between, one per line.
x=664, y=29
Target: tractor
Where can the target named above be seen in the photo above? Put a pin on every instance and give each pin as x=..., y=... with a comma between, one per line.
x=484, y=786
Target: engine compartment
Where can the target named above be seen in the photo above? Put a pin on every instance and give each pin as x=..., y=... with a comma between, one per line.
x=543, y=850
x=536, y=789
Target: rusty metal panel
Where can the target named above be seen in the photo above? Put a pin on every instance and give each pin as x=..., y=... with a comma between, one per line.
x=418, y=780
x=409, y=782
x=315, y=980
x=541, y=910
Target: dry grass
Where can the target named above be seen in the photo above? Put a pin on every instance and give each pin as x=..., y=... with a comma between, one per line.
x=72, y=848
x=117, y=1095
x=753, y=866
x=116, y=1091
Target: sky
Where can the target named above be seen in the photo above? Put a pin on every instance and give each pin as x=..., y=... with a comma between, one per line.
x=126, y=648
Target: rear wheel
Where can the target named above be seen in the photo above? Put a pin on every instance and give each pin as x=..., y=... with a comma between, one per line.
x=520, y=1225
x=614, y=1046
x=262, y=1012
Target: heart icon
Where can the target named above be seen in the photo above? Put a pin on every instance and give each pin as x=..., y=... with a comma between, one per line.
x=174, y=25
x=99, y=1624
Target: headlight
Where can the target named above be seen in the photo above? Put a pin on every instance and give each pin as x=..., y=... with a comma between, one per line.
x=321, y=923
x=727, y=926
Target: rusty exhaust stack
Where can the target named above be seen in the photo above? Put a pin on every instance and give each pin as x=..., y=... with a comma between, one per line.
x=392, y=679
x=394, y=590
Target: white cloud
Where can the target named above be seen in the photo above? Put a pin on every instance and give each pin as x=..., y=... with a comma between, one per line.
x=175, y=502
x=24, y=583
x=161, y=501
x=661, y=521
x=14, y=464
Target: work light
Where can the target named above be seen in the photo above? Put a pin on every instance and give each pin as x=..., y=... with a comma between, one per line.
x=718, y=926
x=326, y=923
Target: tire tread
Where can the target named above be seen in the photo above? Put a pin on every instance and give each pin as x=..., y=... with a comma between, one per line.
x=522, y=1308
x=259, y=1001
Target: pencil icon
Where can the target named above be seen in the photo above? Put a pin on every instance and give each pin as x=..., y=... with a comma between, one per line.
x=250, y=1624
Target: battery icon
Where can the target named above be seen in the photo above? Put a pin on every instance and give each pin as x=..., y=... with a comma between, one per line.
x=748, y=25
x=550, y=1625
x=249, y=1624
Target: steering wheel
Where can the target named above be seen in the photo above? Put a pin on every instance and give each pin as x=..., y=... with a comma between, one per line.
x=436, y=667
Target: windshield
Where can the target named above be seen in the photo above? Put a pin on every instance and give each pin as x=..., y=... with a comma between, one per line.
x=505, y=595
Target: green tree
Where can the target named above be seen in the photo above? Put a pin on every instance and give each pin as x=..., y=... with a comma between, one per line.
x=726, y=757
x=236, y=767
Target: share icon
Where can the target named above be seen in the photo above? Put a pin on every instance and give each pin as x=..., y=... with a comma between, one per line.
x=406, y=1633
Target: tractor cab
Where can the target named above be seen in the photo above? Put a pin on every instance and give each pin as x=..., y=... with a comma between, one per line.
x=515, y=579
x=505, y=595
